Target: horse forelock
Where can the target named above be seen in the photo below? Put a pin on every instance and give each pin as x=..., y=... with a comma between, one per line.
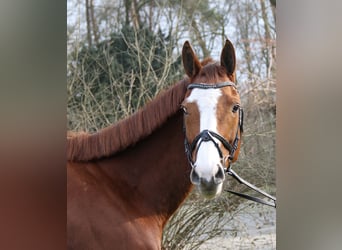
x=212, y=72
x=82, y=146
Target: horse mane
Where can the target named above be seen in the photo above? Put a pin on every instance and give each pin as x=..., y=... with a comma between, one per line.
x=82, y=146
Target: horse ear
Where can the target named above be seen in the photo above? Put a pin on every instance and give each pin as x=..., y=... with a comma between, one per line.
x=228, y=60
x=190, y=61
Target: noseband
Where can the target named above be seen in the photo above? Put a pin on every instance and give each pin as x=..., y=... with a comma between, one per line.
x=207, y=135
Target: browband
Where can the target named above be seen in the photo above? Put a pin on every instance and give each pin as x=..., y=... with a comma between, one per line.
x=210, y=86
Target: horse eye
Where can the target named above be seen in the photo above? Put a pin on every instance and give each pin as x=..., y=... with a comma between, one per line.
x=185, y=111
x=236, y=108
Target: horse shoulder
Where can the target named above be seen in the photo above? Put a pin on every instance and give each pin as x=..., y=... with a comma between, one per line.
x=98, y=219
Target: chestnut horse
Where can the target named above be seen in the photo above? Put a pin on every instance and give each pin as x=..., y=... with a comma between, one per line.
x=125, y=181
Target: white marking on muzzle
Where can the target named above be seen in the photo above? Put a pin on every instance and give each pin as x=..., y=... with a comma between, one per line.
x=208, y=160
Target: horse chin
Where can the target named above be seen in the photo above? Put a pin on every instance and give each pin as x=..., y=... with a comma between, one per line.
x=210, y=191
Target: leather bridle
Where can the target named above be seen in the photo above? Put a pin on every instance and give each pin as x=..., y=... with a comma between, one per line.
x=208, y=135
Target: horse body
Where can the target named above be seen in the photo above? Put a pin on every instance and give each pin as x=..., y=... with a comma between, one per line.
x=126, y=181
x=124, y=201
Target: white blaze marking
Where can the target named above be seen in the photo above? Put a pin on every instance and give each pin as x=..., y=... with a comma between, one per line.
x=208, y=158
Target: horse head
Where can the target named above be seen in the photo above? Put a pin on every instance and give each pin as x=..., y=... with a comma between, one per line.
x=212, y=118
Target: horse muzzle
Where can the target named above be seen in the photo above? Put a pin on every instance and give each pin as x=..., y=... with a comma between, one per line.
x=208, y=187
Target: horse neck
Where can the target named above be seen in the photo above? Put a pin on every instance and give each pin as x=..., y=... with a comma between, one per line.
x=156, y=170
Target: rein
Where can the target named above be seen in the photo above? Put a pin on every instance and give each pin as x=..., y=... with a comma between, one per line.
x=207, y=135
x=251, y=186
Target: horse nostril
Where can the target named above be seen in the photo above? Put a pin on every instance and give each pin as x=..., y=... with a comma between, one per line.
x=219, y=176
x=194, y=177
